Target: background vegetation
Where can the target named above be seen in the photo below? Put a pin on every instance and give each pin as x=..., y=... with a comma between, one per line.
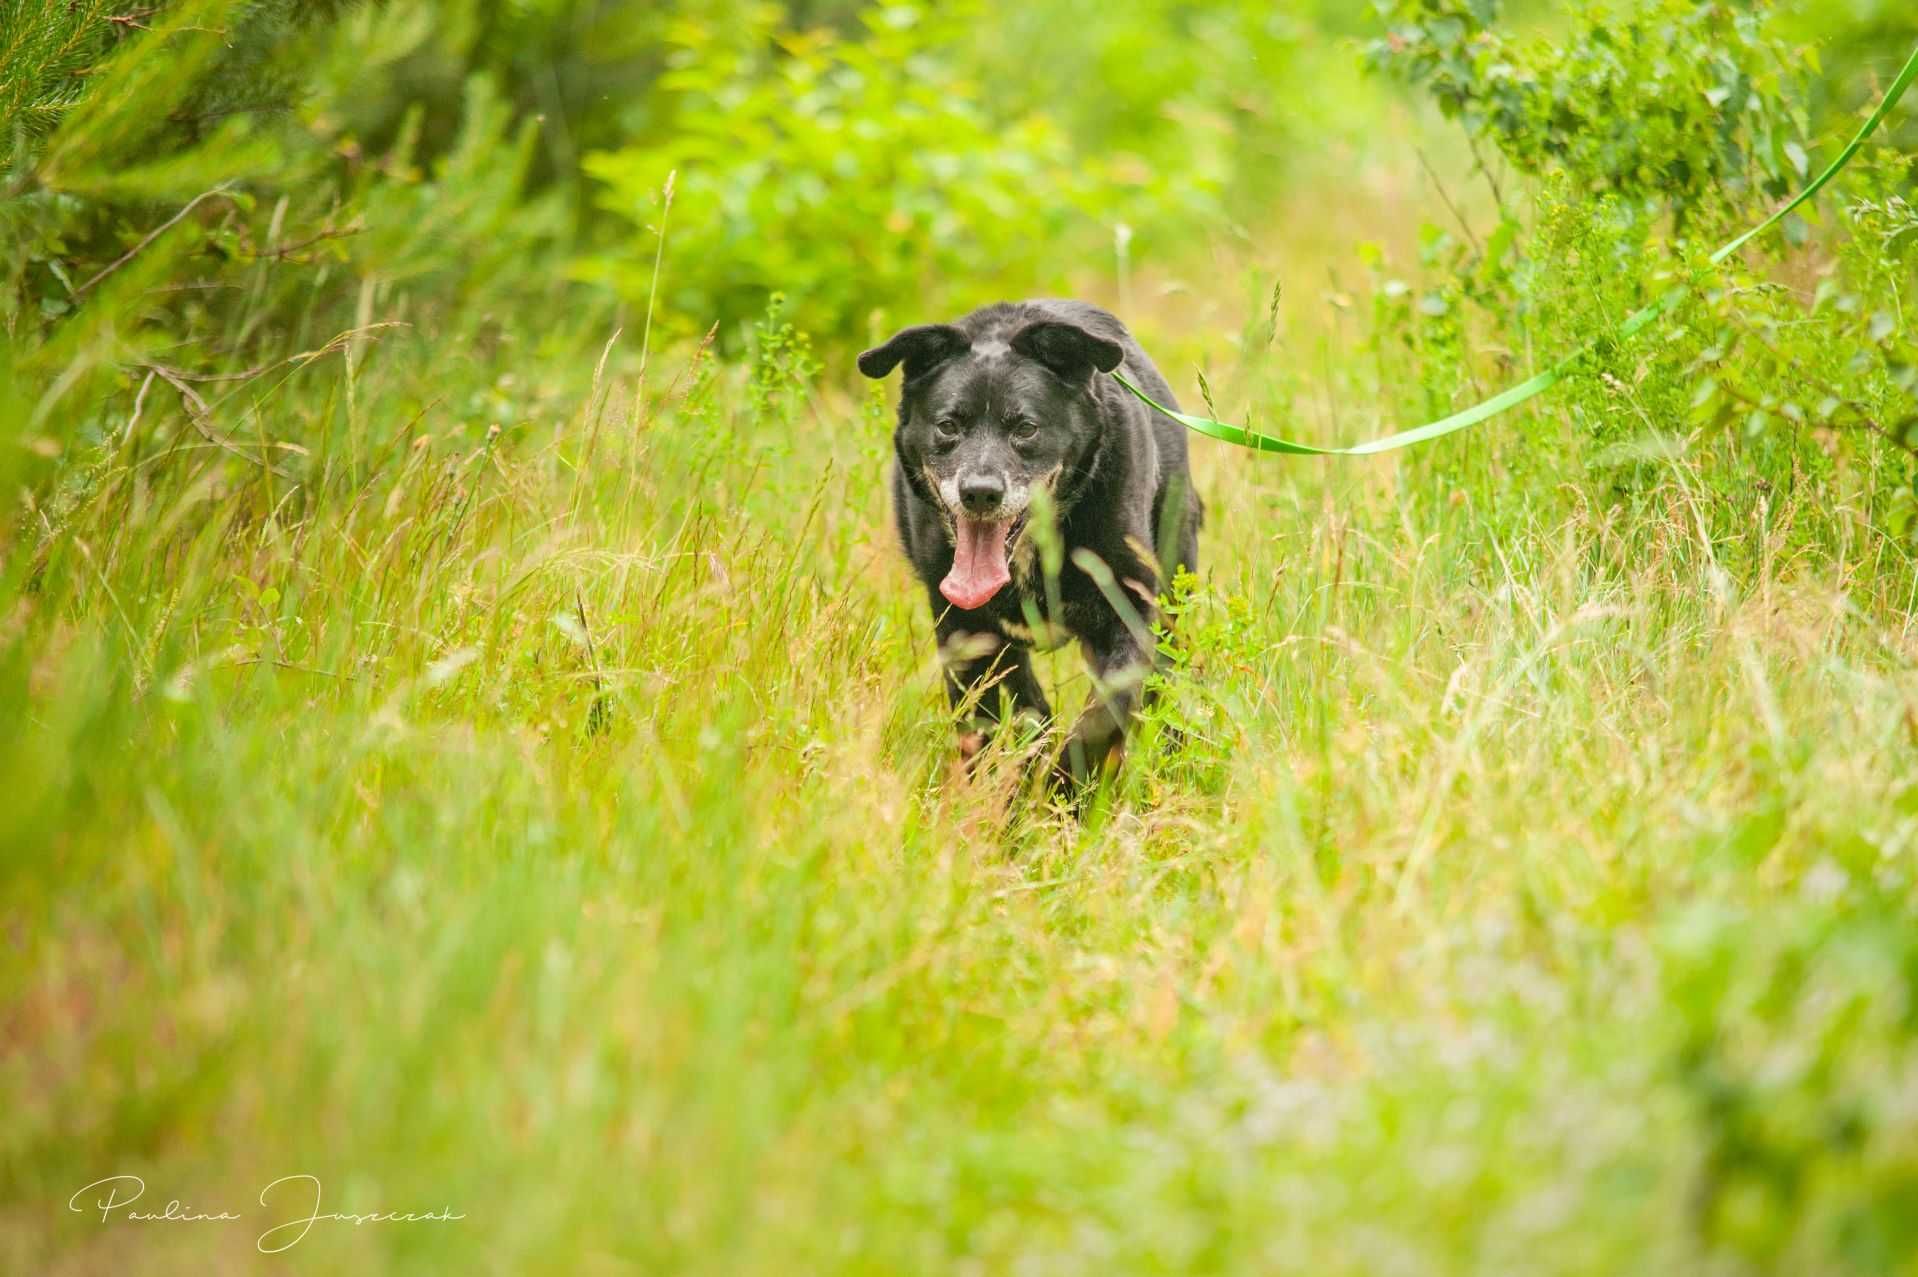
x=470, y=737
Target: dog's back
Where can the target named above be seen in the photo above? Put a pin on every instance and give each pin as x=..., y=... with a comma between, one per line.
x=1176, y=540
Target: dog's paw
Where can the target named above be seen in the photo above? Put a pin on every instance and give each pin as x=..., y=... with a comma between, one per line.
x=965, y=759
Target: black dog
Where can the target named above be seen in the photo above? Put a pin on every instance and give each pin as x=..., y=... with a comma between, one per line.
x=1009, y=401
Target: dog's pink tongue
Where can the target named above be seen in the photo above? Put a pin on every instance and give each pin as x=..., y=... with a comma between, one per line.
x=979, y=568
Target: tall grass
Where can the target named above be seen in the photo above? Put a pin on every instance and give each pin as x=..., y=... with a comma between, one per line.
x=573, y=843
x=494, y=762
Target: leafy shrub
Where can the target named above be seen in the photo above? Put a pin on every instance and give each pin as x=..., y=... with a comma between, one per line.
x=1670, y=102
x=1697, y=109
x=203, y=204
x=1839, y=369
x=848, y=173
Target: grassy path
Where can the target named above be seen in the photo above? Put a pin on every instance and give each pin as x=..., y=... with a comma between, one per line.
x=554, y=825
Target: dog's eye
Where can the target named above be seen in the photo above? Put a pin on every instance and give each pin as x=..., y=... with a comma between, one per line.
x=945, y=430
x=1023, y=429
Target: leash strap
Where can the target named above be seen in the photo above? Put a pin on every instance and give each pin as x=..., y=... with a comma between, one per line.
x=1636, y=323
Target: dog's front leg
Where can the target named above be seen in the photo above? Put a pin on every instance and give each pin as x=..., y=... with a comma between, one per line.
x=987, y=680
x=1119, y=668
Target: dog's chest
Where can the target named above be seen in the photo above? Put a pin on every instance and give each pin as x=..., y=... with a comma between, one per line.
x=1021, y=613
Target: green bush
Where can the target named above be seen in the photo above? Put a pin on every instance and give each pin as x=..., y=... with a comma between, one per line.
x=1649, y=133
x=851, y=174
x=206, y=207
x=1667, y=104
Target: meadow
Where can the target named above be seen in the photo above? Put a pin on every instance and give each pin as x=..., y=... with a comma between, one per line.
x=471, y=737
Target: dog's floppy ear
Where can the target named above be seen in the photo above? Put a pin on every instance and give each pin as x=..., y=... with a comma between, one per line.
x=921, y=349
x=1067, y=349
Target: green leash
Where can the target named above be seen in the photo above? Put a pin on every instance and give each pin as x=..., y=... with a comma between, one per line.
x=1247, y=438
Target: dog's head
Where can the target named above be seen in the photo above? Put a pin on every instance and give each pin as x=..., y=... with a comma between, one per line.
x=983, y=424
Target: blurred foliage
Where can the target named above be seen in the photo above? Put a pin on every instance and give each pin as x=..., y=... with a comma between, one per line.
x=1207, y=95
x=1790, y=1041
x=1864, y=44
x=235, y=182
x=207, y=206
x=851, y=173
x=1666, y=103
x=862, y=157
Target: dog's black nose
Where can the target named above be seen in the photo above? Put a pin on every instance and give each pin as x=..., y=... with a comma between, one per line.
x=982, y=493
